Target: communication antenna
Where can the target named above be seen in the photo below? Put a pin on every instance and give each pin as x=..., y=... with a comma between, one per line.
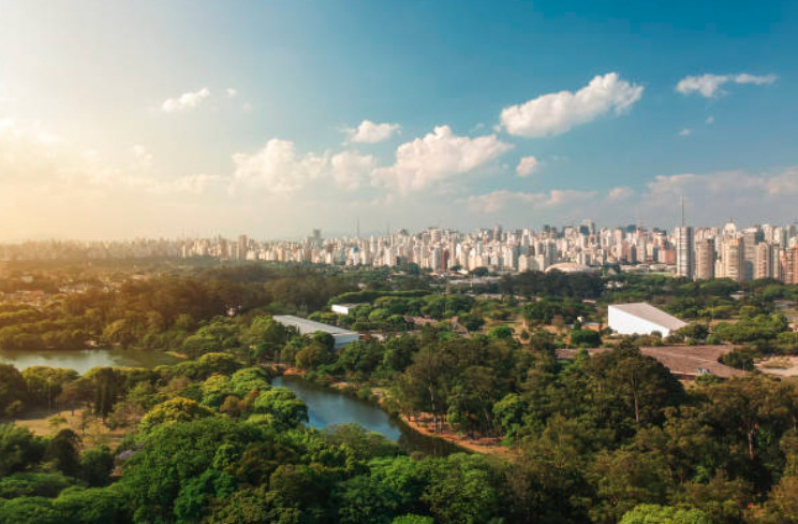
x=682, y=203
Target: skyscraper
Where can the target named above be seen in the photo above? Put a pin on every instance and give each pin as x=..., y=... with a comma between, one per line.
x=705, y=259
x=763, y=267
x=685, y=261
x=751, y=237
x=734, y=260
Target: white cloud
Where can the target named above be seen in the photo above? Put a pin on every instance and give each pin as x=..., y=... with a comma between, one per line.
x=143, y=158
x=527, y=166
x=186, y=101
x=232, y=92
x=620, y=194
x=745, y=196
x=710, y=120
x=350, y=169
x=710, y=85
x=556, y=113
x=498, y=200
x=438, y=156
x=686, y=132
x=277, y=168
x=745, y=78
x=369, y=132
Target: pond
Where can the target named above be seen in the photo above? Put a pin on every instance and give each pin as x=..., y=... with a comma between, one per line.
x=328, y=407
x=82, y=360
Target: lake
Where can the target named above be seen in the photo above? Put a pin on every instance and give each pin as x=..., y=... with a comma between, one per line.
x=328, y=407
x=82, y=360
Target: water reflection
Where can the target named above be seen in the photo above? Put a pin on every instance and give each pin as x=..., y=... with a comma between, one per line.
x=327, y=407
x=82, y=360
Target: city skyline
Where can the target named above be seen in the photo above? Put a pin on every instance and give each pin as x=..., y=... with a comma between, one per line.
x=152, y=120
x=742, y=254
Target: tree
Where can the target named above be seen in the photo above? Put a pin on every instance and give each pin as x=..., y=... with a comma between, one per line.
x=655, y=514
x=460, y=490
x=64, y=452
x=96, y=465
x=93, y=506
x=30, y=510
x=625, y=478
x=19, y=449
x=45, y=384
x=413, y=519
x=284, y=407
x=172, y=455
x=637, y=385
x=178, y=409
x=585, y=338
x=13, y=390
x=313, y=356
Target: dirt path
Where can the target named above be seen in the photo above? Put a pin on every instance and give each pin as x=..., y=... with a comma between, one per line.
x=485, y=445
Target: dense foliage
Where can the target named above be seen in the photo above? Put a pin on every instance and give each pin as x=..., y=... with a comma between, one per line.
x=608, y=438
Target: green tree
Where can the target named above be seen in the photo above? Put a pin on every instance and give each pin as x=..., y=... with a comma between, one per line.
x=178, y=409
x=13, y=390
x=655, y=514
x=19, y=449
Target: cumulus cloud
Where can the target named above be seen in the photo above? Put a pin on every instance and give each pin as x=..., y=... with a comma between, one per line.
x=556, y=113
x=710, y=85
x=746, y=196
x=620, y=194
x=686, y=132
x=186, y=101
x=277, y=168
x=369, y=132
x=232, y=92
x=498, y=200
x=351, y=169
x=527, y=166
x=439, y=156
x=710, y=120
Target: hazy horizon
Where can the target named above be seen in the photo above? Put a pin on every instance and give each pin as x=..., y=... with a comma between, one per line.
x=145, y=119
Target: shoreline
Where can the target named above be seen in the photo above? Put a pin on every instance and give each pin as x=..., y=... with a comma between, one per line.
x=491, y=446
x=485, y=446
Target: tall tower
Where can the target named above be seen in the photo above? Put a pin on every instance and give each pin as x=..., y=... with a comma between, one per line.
x=734, y=260
x=763, y=267
x=705, y=259
x=685, y=261
x=751, y=237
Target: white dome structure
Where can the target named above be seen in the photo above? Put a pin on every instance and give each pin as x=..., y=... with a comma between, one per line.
x=570, y=267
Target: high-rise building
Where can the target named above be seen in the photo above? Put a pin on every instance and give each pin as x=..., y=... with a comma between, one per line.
x=685, y=262
x=751, y=237
x=791, y=265
x=763, y=267
x=734, y=260
x=705, y=259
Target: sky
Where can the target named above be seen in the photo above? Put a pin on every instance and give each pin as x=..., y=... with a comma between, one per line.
x=197, y=117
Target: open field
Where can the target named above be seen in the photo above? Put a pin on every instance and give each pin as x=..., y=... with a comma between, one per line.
x=91, y=429
x=782, y=366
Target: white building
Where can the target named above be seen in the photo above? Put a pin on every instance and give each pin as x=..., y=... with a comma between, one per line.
x=343, y=309
x=309, y=327
x=641, y=319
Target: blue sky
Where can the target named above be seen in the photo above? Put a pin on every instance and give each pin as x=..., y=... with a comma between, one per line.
x=150, y=118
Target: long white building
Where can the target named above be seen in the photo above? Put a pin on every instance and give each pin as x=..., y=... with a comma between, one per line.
x=308, y=327
x=641, y=318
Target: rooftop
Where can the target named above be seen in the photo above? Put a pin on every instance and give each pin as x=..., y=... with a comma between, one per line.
x=648, y=312
x=307, y=327
x=682, y=361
